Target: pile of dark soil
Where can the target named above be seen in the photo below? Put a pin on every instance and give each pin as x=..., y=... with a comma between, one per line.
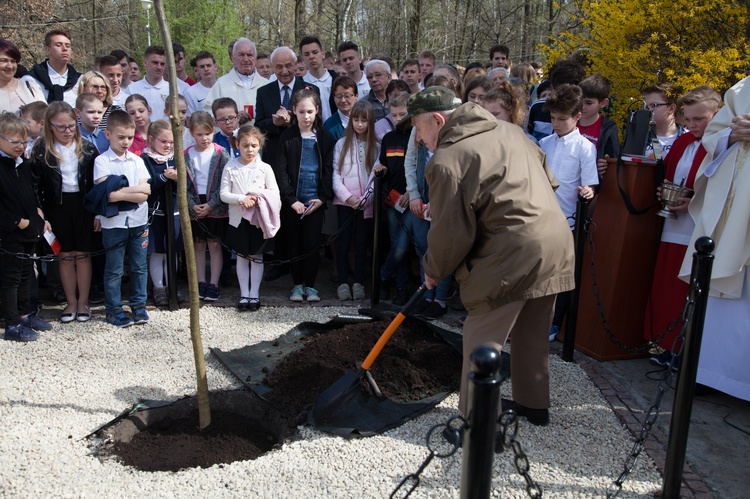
x=415, y=364
x=175, y=444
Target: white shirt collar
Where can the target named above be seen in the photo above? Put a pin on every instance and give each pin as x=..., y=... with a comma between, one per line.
x=309, y=78
x=290, y=84
x=57, y=78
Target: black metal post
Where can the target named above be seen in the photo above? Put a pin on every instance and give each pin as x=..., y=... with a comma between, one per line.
x=171, y=274
x=571, y=318
x=700, y=275
x=377, y=210
x=479, y=438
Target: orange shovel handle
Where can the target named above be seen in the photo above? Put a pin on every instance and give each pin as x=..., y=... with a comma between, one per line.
x=395, y=323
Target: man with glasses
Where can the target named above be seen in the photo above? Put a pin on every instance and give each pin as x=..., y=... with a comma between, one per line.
x=57, y=77
x=241, y=83
x=378, y=75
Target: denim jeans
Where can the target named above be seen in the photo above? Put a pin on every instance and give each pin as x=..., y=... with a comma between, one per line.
x=116, y=242
x=420, y=228
x=395, y=261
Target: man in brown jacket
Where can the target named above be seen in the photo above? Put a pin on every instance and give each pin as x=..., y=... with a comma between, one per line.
x=497, y=225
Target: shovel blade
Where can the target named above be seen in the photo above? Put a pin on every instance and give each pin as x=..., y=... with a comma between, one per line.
x=337, y=395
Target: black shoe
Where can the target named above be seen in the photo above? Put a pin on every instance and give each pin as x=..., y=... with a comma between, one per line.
x=401, y=297
x=59, y=296
x=253, y=304
x=433, y=310
x=275, y=272
x=419, y=307
x=538, y=417
x=243, y=304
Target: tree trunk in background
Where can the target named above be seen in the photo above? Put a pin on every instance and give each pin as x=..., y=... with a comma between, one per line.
x=204, y=410
x=525, y=49
x=415, y=26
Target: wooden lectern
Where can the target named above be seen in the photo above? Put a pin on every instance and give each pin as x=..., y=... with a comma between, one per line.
x=625, y=255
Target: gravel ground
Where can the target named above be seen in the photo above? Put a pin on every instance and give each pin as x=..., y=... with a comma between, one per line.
x=77, y=377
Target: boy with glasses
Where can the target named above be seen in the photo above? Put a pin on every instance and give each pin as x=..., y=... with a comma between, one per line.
x=661, y=100
x=226, y=117
x=22, y=224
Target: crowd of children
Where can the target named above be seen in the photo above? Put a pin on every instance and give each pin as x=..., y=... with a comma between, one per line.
x=102, y=175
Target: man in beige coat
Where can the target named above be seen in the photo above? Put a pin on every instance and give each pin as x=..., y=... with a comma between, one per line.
x=497, y=225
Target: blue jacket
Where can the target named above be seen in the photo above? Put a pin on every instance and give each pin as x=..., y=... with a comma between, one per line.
x=97, y=199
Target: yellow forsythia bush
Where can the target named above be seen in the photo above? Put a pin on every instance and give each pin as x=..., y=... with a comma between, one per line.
x=634, y=43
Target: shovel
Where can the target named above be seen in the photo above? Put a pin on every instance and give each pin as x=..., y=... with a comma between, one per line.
x=348, y=385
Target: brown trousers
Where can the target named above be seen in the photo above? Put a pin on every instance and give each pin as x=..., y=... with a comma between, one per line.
x=529, y=322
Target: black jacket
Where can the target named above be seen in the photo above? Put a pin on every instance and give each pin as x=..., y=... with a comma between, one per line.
x=267, y=102
x=609, y=142
x=49, y=177
x=18, y=200
x=288, y=162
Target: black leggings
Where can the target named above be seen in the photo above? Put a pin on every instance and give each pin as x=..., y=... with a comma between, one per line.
x=15, y=282
x=303, y=237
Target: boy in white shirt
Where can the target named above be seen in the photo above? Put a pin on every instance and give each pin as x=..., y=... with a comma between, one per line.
x=572, y=158
x=127, y=230
x=153, y=86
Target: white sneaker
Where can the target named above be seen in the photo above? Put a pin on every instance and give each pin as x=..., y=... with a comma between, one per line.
x=358, y=291
x=343, y=292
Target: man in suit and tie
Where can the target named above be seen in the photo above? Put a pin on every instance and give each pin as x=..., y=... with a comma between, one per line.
x=274, y=115
x=274, y=112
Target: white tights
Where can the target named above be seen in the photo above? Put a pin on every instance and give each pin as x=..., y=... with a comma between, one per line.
x=252, y=272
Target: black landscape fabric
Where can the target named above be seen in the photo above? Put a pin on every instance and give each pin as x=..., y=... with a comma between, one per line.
x=364, y=414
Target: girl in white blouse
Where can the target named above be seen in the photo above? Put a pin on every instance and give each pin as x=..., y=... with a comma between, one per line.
x=249, y=188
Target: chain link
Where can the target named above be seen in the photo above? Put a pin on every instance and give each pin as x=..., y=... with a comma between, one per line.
x=652, y=415
x=324, y=244
x=414, y=478
x=590, y=229
x=509, y=427
x=55, y=258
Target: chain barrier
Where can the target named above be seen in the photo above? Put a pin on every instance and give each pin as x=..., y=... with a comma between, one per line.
x=665, y=383
x=317, y=248
x=590, y=229
x=508, y=421
x=54, y=258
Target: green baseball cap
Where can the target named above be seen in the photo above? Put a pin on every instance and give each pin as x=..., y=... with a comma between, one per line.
x=429, y=100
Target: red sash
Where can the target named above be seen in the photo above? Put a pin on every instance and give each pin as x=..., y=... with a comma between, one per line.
x=675, y=154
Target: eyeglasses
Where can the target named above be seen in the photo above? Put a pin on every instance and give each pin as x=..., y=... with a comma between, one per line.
x=15, y=143
x=343, y=96
x=5, y=60
x=228, y=119
x=375, y=75
x=63, y=128
x=165, y=143
x=654, y=105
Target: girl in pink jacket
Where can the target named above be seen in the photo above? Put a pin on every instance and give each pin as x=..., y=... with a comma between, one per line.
x=353, y=159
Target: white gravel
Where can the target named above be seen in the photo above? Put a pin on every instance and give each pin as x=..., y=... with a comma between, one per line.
x=78, y=377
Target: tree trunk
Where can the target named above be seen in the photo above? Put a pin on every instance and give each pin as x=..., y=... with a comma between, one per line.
x=204, y=410
x=414, y=27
